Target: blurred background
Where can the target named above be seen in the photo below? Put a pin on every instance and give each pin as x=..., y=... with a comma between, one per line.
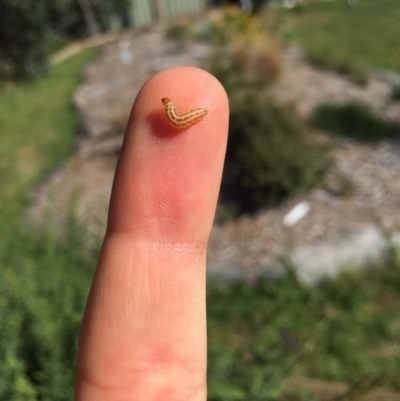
x=303, y=266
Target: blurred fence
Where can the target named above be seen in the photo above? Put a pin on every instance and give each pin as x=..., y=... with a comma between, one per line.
x=144, y=12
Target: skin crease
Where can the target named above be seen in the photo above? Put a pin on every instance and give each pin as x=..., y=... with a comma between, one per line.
x=143, y=334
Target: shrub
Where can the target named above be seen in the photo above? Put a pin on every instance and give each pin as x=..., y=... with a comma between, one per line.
x=269, y=155
x=248, y=357
x=354, y=120
x=246, y=67
x=251, y=374
x=23, y=52
x=231, y=25
x=258, y=65
x=178, y=32
x=29, y=29
x=396, y=92
x=43, y=291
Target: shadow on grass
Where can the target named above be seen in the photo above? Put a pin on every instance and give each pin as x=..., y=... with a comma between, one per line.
x=354, y=120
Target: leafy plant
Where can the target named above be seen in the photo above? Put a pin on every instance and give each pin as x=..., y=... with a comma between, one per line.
x=44, y=279
x=178, y=32
x=396, y=92
x=343, y=330
x=243, y=68
x=270, y=155
x=43, y=291
x=231, y=25
x=29, y=29
x=23, y=52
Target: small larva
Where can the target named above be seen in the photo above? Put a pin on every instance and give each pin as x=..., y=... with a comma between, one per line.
x=181, y=120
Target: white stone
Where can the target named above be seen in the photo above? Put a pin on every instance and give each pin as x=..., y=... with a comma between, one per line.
x=315, y=262
x=296, y=214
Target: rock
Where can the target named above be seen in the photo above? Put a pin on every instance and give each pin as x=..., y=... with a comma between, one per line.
x=315, y=262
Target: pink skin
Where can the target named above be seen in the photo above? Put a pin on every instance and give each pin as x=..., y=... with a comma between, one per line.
x=143, y=334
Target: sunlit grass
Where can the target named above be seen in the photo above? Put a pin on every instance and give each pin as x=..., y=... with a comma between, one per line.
x=37, y=123
x=366, y=35
x=354, y=120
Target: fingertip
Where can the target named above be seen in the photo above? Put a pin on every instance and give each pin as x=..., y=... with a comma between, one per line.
x=166, y=174
x=189, y=88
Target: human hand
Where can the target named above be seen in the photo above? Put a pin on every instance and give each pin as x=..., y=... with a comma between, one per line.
x=143, y=335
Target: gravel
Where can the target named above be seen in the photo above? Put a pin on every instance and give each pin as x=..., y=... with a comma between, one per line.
x=249, y=245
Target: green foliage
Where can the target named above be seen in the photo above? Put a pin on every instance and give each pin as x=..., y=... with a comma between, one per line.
x=231, y=25
x=352, y=46
x=43, y=291
x=243, y=67
x=396, y=92
x=354, y=120
x=258, y=5
x=23, y=38
x=37, y=123
x=44, y=281
x=235, y=374
x=178, y=32
x=261, y=331
x=246, y=357
x=29, y=29
x=328, y=59
x=104, y=9
x=269, y=155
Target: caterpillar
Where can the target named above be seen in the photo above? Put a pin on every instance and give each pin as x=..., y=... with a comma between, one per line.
x=181, y=121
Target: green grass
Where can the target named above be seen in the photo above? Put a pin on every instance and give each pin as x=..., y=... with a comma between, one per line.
x=349, y=38
x=260, y=332
x=354, y=120
x=43, y=290
x=44, y=281
x=37, y=123
x=396, y=92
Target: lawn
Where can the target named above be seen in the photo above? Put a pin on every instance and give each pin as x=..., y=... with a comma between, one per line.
x=37, y=123
x=366, y=35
